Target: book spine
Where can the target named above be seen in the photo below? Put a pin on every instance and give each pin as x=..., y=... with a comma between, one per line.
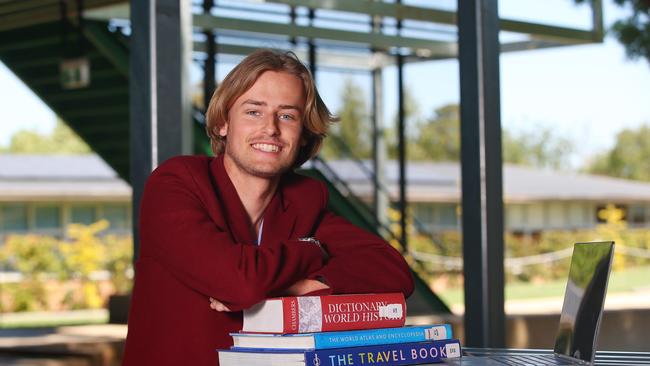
x=349, y=312
x=385, y=355
x=382, y=336
x=290, y=316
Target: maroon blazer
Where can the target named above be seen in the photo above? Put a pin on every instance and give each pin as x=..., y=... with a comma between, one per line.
x=196, y=243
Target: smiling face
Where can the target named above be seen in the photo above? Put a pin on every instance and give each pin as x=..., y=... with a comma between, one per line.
x=264, y=128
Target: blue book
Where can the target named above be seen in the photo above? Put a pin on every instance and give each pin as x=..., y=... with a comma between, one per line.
x=380, y=355
x=354, y=338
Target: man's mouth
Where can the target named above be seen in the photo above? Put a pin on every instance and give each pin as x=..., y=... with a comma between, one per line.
x=266, y=147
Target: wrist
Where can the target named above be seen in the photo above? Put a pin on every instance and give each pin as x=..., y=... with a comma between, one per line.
x=314, y=241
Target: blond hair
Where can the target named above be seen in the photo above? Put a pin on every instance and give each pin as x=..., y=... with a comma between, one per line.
x=316, y=116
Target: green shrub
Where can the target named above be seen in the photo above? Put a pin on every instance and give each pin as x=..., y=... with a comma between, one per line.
x=69, y=261
x=450, y=244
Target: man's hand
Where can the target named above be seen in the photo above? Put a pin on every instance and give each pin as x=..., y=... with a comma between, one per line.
x=299, y=288
x=305, y=286
x=217, y=305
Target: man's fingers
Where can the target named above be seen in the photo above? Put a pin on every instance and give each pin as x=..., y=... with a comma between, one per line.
x=217, y=305
x=222, y=307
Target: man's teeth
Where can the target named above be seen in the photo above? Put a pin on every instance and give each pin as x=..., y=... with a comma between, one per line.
x=266, y=147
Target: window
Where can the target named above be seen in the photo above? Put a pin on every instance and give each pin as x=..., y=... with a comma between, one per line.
x=47, y=217
x=575, y=213
x=516, y=217
x=638, y=214
x=118, y=216
x=13, y=217
x=423, y=211
x=447, y=215
x=82, y=215
x=423, y=215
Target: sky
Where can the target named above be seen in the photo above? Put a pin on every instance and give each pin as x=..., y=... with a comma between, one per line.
x=586, y=93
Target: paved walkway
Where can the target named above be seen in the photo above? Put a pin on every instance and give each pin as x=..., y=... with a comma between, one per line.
x=85, y=345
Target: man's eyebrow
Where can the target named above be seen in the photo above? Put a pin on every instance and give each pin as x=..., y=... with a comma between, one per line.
x=281, y=106
x=254, y=102
x=290, y=106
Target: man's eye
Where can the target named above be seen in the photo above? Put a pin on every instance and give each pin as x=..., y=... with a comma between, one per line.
x=253, y=113
x=287, y=117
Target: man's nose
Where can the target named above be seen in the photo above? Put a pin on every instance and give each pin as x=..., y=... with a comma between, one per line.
x=271, y=125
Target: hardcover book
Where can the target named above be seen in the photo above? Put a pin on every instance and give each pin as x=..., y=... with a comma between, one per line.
x=309, y=314
x=380, y=355
x=353, y=338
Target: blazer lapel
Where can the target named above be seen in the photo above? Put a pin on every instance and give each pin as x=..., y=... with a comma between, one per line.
x=233, y=209
x=279, y=219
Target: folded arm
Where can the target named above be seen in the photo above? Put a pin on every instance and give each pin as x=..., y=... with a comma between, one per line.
x=176, y=230
x=360, y=262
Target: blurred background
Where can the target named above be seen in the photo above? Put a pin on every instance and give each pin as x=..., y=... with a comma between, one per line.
x=574, y=112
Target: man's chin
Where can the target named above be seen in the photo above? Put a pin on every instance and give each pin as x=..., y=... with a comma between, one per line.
x=261, y=168
x=267, y=171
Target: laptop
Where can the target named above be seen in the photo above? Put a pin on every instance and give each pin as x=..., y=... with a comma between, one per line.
x=575, y=341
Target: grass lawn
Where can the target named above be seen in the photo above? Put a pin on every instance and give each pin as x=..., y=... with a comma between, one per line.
x=633, y=279
x=45, y=319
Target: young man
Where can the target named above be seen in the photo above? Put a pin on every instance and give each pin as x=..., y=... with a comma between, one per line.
x=225, y=233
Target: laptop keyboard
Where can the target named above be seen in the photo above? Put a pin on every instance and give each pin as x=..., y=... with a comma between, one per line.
x=530, y=360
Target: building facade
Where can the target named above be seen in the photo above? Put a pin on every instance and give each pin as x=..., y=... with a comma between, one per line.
x=42, y=194
x=535, y=199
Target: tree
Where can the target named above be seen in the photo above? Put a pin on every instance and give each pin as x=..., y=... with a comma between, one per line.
x=629, y=158
x=352, y=135
x=540, y=148
x=634, y=31
x=438, y=139
x=412, y=126
x=62, y=140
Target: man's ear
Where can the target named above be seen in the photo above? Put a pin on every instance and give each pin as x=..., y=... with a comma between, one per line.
x=223, y=131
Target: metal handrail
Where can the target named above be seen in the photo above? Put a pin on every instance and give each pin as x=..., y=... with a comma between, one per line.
x=372, y=177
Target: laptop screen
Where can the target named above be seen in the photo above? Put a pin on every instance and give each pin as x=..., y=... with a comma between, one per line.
x=584, y=300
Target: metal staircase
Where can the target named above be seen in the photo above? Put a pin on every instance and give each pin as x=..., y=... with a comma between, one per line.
x=99, y=114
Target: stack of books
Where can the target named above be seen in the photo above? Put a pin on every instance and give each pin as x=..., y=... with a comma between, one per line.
x=337, y=330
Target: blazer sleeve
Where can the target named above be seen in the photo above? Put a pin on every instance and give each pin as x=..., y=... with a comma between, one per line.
x=177, y=231
x=360, y=262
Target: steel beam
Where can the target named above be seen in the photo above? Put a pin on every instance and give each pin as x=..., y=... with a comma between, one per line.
x=597, y=22
x=311, y=47
x=209, y=66
x=159, y=98
x=376, y=40
x=549, y=32
x=401, y=145
x=349, y=61
x=542, y=36
x=376, y=8
x=408, y=12
x=380, y=198
x=110, y=48
x=19, y=14
x=481, y=169
x=142, y=108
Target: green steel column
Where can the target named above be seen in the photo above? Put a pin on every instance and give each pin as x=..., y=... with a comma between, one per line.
x=481, y=167
x=159, y=90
